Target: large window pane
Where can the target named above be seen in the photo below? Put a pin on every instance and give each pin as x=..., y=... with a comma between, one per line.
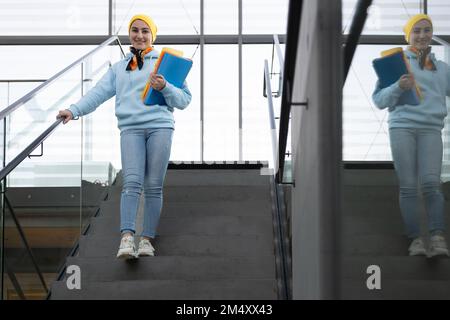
x=439, y=11
x=42, y=63
x=265, y=16
x=171, y=16
x=53, y=17
x=385, y=16
x=221, y=120
x=186, y=139
x=221, y=17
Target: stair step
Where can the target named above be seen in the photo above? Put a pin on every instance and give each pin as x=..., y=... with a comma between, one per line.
x=397, y=268
x=372, y=225
x=208, y=193
x=369, y=177
x=198, y=209
x=218, y=225
x=188, y=245
x=174, y=268
x=356, y=207
x=241, y=289
x=397, y=290
x=216, y=178
x=375, y=245
x=370, y=194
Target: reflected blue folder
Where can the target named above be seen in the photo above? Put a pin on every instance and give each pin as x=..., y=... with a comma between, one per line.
x=175, y=70
x=389, y=69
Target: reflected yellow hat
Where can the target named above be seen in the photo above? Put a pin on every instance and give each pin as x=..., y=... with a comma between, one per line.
x=412, y=21
x=148, y=21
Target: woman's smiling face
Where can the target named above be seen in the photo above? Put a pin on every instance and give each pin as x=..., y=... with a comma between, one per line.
x=421, y=35
x=140, y=35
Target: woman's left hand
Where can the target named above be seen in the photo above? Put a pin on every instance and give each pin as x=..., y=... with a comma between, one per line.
x=157, y=81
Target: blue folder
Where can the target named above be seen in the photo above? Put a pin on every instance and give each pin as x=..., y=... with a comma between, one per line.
x=175, y=70
x=389, y=69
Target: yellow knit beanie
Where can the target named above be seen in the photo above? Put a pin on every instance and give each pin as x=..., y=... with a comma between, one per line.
x=148, y=21
x=412, y=21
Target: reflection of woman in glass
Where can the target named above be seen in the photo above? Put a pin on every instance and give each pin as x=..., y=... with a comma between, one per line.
x=146, y=131
x=415, y=135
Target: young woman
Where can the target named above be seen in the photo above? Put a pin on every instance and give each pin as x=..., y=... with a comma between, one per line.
x=145, y=131
x=415, y=135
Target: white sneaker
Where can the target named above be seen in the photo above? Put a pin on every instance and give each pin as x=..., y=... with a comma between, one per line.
x=127, y=249
x=417, y=248
x=438, y=246
x=146, y=248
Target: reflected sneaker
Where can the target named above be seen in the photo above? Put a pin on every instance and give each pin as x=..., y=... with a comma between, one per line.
x=438, y=246
x=127, y=249
x=146, y=248
x=417, y=248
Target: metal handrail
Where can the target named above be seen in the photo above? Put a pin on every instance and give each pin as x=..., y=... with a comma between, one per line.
x=30, y=95
x=292, y=39
x=359, y=19
x=27, y=151
x=22, y=80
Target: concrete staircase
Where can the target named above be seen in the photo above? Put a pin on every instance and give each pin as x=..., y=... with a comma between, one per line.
x=215, y=242
x=372, y=234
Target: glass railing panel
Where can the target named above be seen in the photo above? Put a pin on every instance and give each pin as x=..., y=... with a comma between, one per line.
x=48, y=192
x=21, y=281
x=100, y=148
x=288, y=174
x=256, y=135
x=445, y=175
x=31, y=119
x=45, y=195
x=16, y=89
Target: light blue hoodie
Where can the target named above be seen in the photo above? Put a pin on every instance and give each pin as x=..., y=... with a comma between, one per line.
x=127, y=86
x=430, y=113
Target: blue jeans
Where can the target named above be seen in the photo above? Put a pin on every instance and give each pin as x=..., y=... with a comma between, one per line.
x=417, y=155
x=145, y=155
